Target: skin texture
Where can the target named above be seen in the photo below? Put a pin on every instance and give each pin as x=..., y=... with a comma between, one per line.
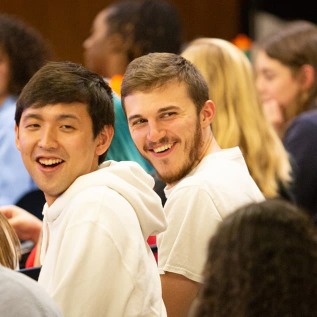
x=168, y=132
x=49, y=139
x=178, y=293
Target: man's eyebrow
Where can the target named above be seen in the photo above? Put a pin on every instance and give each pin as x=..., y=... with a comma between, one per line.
x=164, y=109
x=58, y=117
x=168, y=108
x=135, y=116
x=31, y=116
x=67, y=116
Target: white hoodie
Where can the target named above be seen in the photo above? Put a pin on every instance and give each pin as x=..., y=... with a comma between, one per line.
x=94, y=255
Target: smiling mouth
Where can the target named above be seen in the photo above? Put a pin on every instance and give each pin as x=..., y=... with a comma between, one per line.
x=50, y=162
x=163, y=148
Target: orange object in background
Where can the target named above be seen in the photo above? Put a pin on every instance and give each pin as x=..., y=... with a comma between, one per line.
x=115, y=84
x=244, y=43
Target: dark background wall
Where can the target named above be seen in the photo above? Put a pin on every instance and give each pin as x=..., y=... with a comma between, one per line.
x=66, y=23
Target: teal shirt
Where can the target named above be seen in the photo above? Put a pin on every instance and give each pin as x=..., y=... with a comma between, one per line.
x=122, y=147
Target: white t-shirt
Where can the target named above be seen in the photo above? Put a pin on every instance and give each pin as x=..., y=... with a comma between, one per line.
x=218, y=185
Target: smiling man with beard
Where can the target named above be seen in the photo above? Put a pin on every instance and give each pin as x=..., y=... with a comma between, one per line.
x=169, y=113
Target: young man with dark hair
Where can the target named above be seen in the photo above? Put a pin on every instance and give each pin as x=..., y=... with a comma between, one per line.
x=97, y=218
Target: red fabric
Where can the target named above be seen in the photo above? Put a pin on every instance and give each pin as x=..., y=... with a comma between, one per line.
x=31, y=258
x=152, y=243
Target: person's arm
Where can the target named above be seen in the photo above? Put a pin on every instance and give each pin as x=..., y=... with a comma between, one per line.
x=26, y=225
x=178, y=293
x=182, y=248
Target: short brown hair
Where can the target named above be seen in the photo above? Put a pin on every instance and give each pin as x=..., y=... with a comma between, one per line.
x=156, y=69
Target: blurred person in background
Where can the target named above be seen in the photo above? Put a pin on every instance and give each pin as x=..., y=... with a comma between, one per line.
x=286, y=79
x=22, y=52
x=239, y=119
x=9, y=245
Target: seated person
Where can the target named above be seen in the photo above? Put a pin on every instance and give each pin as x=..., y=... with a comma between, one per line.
x=98, y=215
x=262, y=261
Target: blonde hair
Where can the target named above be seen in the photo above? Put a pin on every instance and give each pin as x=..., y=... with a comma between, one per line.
x=239, y=119
x=9, y=245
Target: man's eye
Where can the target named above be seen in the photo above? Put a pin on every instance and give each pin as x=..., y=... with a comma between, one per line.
x=67, y=127
x=168, y=114
x=32, y=126
x=137, y=122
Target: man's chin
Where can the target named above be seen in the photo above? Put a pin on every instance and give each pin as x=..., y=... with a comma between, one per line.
x=169, y=178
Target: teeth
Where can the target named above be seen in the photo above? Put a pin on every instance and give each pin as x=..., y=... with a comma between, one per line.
x=162, y=148
x=50, y=161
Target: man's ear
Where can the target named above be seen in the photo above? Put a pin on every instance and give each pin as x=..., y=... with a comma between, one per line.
x=104, y=139
x=207, y=113
x=17, y=139
x=307, y=76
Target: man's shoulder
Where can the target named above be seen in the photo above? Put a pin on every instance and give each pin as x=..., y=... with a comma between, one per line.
x=223, y=175
x=218, y=167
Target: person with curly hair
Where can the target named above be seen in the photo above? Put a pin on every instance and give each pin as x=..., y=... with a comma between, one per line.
x=22, y=52
x=128, y=29
x=262, y=261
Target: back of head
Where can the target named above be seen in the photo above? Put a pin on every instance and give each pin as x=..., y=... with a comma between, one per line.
x=262, y=261
x=149, y=26
x=157, y=69
x=295, y=45
x=239, y=119
x=158, y=28
x=287, y=44
x=9, y=245
x=121, y=19
x=66, y=82
x=26, y=49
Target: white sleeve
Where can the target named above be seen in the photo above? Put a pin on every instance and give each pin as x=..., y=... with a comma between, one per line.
x=192, y=218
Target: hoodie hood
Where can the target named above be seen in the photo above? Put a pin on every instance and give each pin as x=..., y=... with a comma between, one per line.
x=129, y=180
